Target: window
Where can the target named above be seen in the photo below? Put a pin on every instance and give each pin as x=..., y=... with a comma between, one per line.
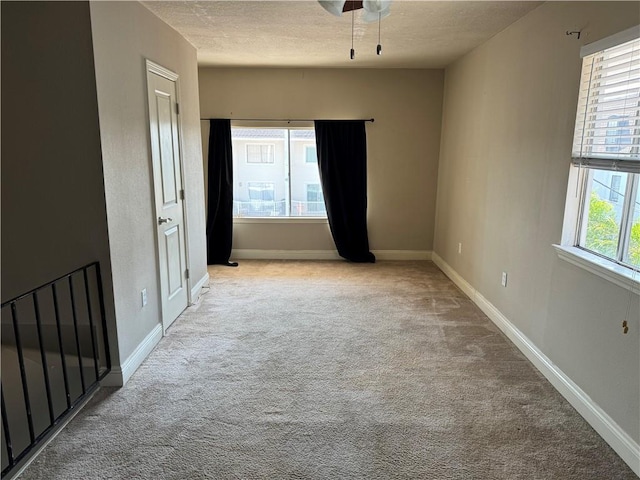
x=310, y=154
x=607, y=142
x=273, y=174
x=257, y=153
x=614, y=191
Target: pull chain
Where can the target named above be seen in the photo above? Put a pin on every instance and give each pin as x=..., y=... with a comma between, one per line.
x=379, y=47
x=353, y=52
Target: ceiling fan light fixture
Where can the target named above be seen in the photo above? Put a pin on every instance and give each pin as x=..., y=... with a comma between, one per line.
x=372, y=17
x=376, y=6
x=334, y=7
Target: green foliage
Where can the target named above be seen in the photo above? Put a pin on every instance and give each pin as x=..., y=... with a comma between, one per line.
x=602, y=228
x=634, y=244
x=603, y=231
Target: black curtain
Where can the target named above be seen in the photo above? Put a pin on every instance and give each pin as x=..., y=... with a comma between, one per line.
x=342, y=160
x=220, y=191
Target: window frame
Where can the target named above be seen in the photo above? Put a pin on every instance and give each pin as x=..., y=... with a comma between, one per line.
x=289, y=126
x=626, y=220
x=571, y=249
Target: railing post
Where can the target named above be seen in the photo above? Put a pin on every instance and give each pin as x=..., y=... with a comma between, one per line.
x=103, y=314
x=75, y=330
x=65, y=374
x=23, y=373
x=43, y=357
x=7, y=434
x=93, y=335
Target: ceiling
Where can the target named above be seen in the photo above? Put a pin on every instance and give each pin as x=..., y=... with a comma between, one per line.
x=300, y=33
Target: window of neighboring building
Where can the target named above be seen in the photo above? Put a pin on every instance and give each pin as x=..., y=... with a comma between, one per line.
x=607, y=146
x=274, y=177
x=258, y=153
x=614, y=191
x=310, y=154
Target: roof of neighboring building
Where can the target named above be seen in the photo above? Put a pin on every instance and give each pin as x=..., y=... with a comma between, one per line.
x=257, y=133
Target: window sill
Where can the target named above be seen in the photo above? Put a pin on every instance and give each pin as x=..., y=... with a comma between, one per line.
x=622, y=276
x=265, y=220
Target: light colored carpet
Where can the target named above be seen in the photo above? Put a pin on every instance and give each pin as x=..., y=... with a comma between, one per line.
x=331, y=370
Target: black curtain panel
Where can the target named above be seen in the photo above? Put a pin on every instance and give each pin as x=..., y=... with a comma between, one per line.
x=342, y=160
x=220, y=192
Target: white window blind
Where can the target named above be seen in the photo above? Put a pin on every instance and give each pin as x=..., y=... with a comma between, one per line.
x=607, y=134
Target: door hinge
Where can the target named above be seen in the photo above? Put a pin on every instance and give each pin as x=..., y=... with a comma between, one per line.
x=182, y=194
x=186, y=273
x=177, y=108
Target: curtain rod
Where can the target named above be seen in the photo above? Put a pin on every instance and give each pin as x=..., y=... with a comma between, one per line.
x=288, y=120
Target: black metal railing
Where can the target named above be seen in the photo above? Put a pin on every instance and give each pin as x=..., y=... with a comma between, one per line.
x=55, y=351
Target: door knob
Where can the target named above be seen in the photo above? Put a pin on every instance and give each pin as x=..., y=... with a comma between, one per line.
x=164, y=220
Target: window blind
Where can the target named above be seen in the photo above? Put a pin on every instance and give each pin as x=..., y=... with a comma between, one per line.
x=607, y=134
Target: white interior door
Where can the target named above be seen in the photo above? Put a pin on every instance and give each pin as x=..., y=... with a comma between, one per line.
x=169, y=194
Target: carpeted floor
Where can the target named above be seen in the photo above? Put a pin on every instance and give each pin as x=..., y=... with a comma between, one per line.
x=331, y=370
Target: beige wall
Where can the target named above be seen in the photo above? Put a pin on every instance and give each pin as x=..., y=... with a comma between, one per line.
x=124, y=35
x=53, y=205
x=403, y=143
x=509, y=111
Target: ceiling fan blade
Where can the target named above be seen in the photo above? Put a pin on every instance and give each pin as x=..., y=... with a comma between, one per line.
x=351, y=5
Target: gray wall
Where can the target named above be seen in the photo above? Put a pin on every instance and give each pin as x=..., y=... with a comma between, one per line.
x=53, y=202
x=509, y=112
x=403, y=143
x=124, y=35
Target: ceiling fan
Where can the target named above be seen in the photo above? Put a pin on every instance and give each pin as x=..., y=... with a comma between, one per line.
x=374, y=10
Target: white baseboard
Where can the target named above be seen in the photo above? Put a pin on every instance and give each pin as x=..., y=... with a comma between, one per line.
x=454, y=276
x=609, y=430
x=256, y=254
x=251, y=254
x=195, y=290
x=120, y=375
x=402, y=254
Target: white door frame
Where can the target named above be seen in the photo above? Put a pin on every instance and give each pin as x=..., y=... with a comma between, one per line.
x=154, y=68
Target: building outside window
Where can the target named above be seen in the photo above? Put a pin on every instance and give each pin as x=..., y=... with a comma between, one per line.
x=315, y=199
x=617, y=136
x=607, y=146
x=262, y=199
x=273, y=169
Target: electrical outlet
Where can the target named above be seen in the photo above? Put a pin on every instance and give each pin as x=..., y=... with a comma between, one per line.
x=143, y=294
x=504, y=279
x=459, y=248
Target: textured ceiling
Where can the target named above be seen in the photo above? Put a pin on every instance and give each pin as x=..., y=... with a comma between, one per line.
x=300, y=33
